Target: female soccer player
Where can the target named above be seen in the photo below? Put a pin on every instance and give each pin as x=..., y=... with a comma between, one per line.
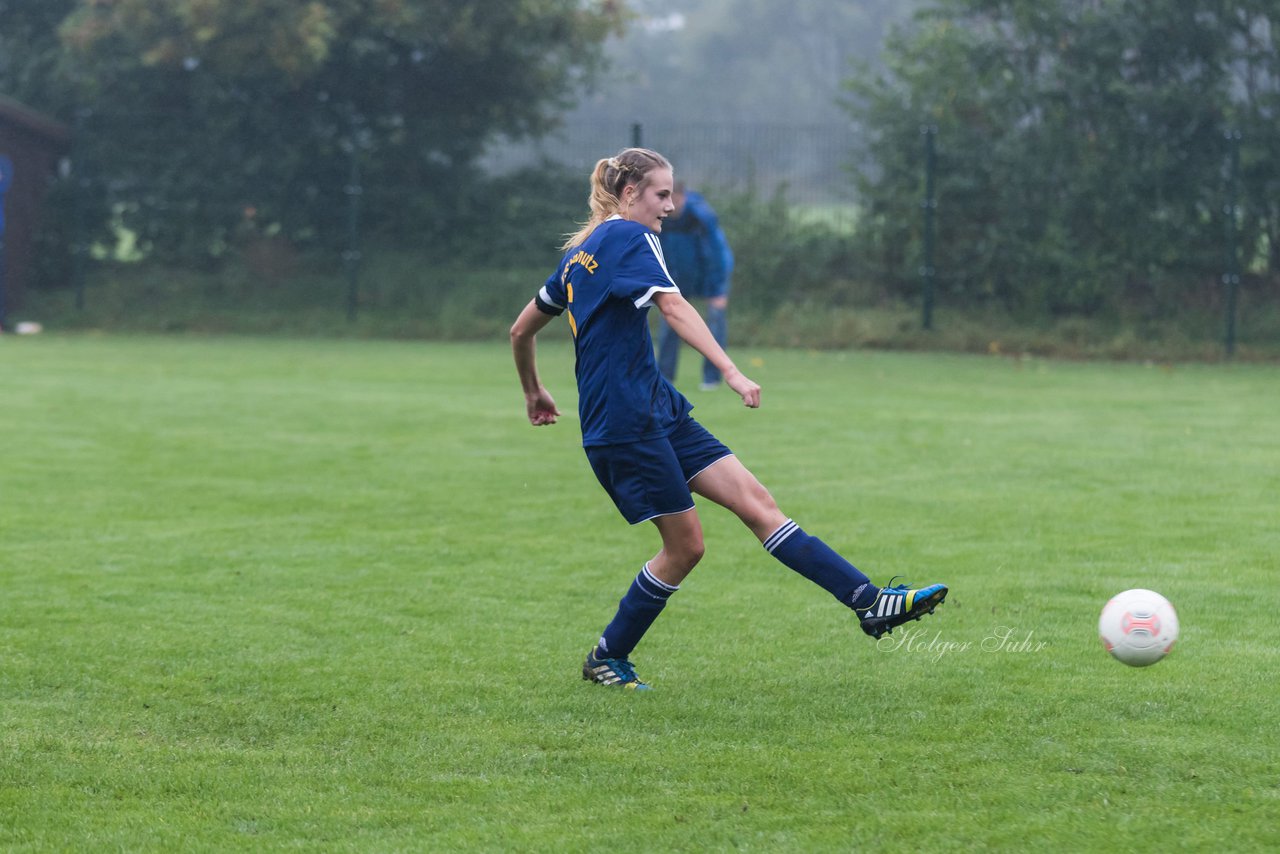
x=648, y=452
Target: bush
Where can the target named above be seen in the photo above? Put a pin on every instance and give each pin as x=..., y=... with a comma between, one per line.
x=781, y=257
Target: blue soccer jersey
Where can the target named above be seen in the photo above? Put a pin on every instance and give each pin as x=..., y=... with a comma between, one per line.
x=606, y=286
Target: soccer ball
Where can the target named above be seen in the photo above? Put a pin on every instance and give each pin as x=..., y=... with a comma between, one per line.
x=1138, y=627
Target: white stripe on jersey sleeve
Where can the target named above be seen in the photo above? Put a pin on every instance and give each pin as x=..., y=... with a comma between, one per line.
x=546, y=297
x=668, y=288
x=656, y=246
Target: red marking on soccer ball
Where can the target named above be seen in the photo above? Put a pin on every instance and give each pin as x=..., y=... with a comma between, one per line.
x=1149, y=623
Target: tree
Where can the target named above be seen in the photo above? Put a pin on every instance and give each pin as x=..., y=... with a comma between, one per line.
x=31, y=58
x=1255, y=114
x=194, y=111
x=1081, y=146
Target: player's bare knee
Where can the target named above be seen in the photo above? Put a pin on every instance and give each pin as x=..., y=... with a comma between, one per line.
x=760, y=510
x=684, y=553
x=693, y=553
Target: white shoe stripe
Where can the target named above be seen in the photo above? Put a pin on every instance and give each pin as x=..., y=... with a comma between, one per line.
x=891, y=605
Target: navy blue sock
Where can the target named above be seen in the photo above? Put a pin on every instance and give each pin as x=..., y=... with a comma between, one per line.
x=636, y=612
x=815, y=560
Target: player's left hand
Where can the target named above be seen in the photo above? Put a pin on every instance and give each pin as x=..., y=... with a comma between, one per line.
x=748, y=390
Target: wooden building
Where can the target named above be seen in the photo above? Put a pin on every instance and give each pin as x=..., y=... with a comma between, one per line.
x=31, y=146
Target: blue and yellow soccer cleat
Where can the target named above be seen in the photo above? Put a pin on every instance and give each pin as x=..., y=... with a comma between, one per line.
x=897, y=605
x=614, y=672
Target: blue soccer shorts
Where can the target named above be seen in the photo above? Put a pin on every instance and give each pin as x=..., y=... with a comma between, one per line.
x=651, y=478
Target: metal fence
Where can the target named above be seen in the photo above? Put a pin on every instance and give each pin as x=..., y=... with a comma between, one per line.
x=807, y=164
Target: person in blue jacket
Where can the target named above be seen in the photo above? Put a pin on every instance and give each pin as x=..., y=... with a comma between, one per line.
x=701, y=263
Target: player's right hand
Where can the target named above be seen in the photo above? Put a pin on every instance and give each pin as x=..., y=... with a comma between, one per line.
x=541, y=408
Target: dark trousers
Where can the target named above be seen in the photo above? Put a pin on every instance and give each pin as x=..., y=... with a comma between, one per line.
x=669, y=346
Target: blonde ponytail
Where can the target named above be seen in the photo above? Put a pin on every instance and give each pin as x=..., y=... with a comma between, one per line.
x=608, y=178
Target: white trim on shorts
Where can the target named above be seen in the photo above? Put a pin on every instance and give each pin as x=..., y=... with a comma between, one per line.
x=691, y=506
x=672, y=513
x=710, y=464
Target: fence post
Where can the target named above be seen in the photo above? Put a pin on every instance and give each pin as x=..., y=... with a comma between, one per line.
x=79, y=190
x=930, y=206
x=1232, y=276
x=6, y=176
x=351, y=256
x=637, y=135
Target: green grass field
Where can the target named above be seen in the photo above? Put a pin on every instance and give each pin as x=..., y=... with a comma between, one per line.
x=264, y=594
